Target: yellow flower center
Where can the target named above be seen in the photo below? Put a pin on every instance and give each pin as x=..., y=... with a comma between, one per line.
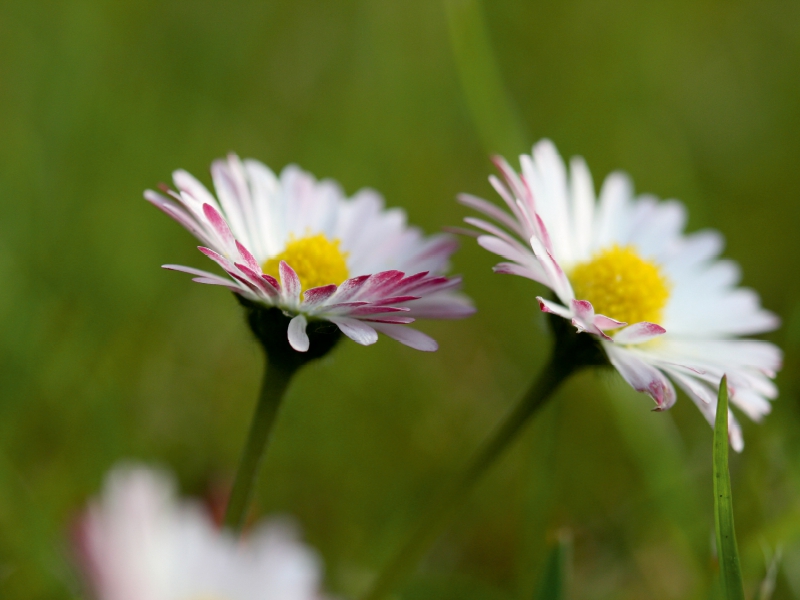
x=622, y=285
x=316, y=260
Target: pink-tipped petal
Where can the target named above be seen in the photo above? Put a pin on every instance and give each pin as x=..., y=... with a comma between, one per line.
x=543, y=234
x=318, y=295
x=381, y=283
x=217, y=258
x=349, y=288
x=639, y=333
x=495, y=231
x=431, y=285
x=503, y=248
x=257, y=280
x=553, y=308
x=513, y=180
x=178, y=214
x=492, y=211
x=404, y=285
x=298, y=338
x=290, y=282
x=558, y=281
x=230, y=268
x=252, y=287
x=507, y=268
x=584, y=318
x=249, y=259
x=219, y=224
x=272, y=281
x=187, y=183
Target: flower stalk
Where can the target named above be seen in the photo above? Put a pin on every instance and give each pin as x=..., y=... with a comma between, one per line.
x=269, y=326
x=273, y=389
x=571, y=353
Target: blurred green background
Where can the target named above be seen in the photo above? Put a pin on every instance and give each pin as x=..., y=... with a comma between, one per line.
x=104, y=356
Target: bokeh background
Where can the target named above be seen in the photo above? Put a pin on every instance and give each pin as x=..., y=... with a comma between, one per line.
x=105, y=357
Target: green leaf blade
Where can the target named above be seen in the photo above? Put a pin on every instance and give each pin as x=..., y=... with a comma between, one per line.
x=493, y=112
x=552, y=585
x=727, y=550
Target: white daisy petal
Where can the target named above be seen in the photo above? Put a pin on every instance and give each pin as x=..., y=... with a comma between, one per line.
x=298, y=338
x=138, y=540
x=408, y=336
x=558, y=280
x=612, y=215
x=186, y=182
x=639, y=333
x=642, y=377
x=356, y=330
x=583, y=201
x=551, y=307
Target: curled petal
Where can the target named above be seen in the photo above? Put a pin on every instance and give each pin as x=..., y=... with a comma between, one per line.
x=298, y=338
x=642, y=377
x=584, y=318
x=553, y=308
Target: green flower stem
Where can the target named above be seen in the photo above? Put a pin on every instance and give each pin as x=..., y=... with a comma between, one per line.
x=572, y=352
x=273, y=389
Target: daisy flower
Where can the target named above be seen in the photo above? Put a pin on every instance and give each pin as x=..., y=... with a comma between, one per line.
x=662, y=306
x=139, y=542
x=299, y=245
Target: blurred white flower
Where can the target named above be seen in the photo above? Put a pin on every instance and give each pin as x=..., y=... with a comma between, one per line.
x=299, y=244
x=659, y=302
x=139, y=542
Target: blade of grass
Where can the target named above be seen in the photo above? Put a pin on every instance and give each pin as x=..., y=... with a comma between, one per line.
x=729, y=569
x=552, y=585
x=492, y=110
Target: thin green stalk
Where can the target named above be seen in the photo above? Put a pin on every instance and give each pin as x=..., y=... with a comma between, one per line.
x=273, y=388
x=437, y=513
x=729, y=569
x=492, y=109
x=553, y=582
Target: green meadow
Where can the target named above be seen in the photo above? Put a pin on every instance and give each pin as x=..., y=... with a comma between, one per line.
x=105, y=357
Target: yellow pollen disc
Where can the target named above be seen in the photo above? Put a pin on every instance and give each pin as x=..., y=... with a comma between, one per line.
x=316, y=260
x=622, y=285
